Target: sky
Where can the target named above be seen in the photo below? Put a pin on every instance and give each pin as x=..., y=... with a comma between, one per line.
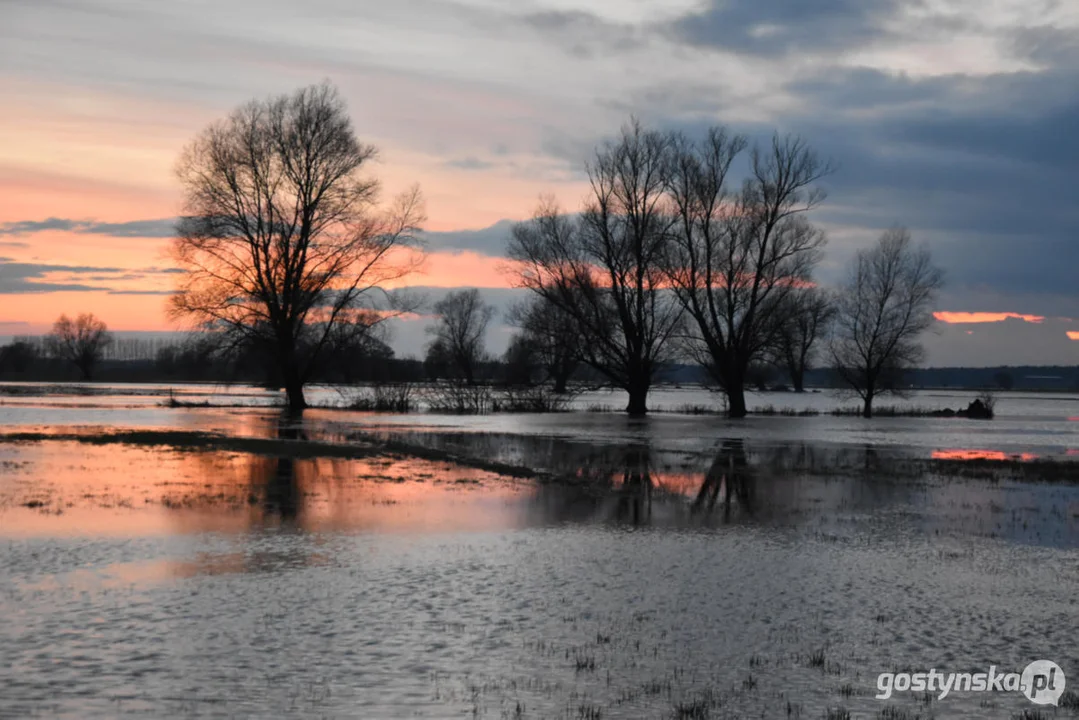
x=955, y=118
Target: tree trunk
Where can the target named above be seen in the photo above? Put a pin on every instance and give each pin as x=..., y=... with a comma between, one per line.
x=736, y=400
x=294, y=390
x=797, y=373
x=560, y=384
x=638, y=399
x=867, y=407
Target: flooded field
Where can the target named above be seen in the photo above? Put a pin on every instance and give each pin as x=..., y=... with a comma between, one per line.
x=228, y=561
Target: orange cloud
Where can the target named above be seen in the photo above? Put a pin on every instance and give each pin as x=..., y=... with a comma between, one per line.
x=952, y=318
x=1073, y=334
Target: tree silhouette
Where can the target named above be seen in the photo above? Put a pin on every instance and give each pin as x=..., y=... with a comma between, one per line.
x=886, y=304
x=460, y=331
x=282, y=243
x=737, y=259
x=605, y=270
x=81, y=341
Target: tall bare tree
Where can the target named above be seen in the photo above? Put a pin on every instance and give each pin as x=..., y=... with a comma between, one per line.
x=605, y=270
x=885, y=306
x=283, y=242
x=551, y=337
x=461, y=329
x=806, y=318
x=736, y=259
x=81, y=341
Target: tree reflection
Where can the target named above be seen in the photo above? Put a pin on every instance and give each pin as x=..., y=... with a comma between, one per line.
x=634, y=503
x=729, y=477
x=282, y=496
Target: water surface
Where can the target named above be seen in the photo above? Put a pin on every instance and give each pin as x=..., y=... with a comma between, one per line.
x=682, y=566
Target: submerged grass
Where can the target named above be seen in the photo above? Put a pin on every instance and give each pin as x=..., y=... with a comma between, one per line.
x=887, y=411
x=786, y=411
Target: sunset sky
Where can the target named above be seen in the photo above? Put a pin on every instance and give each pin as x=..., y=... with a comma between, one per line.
x=956, y=118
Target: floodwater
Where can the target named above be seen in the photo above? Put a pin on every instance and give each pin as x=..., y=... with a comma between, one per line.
x=1035, y=424
x=680, y=566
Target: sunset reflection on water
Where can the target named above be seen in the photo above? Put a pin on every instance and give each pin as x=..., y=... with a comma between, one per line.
x=68, y=488
x=976, y=454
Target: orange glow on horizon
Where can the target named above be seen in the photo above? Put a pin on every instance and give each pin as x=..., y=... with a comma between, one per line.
x=971, y=454
x=952, y=318
x=1073, y=334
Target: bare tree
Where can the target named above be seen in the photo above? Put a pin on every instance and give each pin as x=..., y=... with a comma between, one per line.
x=521, y=363
x=605, y=270
x=736, y=260
x=461, y=329
x=81, y=341
x=282, y=241
x=437, y=362
x=886, y=304
x=551, y=337
x=806, y=317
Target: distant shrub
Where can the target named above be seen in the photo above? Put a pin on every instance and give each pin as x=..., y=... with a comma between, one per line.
x=460, y=399
x=389, y=397
x=530, y=400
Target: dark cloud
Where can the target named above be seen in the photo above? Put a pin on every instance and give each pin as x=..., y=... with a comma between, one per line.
x=162, y=228
x=980, y=167
x=990, y=187
x=1045, y=44
x=776, y=27
x=18, y=278
x=487, y=241
x=469, y=163
x=585, y=34
x=140, y=292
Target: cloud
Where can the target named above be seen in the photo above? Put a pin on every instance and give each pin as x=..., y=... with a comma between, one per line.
x=777, y=27
x=18, y=278
x=490, y=241
x=952, y=317
x=162, y=228
x=469, y=163
x=1009, y=342
x=140, y=292
x=1072, y=334
x=585, y=34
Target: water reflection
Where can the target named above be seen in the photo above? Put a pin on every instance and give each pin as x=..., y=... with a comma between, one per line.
x=975, y=454
x=67, y=488
x=282, y=493
x=729, y=476
x=635, y=489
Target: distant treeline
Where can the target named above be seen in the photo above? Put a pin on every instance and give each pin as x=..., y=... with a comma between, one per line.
x=1022, y=377
x=195, y=359
x=162, y=360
